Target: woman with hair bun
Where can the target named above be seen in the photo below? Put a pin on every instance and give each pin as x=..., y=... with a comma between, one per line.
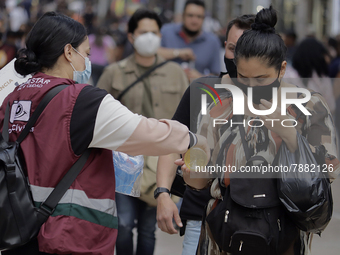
x=79, y=117
x=260, y=61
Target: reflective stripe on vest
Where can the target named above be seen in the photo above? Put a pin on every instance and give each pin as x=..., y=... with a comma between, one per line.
x=76, y=203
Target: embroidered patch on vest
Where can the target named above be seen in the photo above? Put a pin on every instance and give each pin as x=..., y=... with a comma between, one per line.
x=20, y=111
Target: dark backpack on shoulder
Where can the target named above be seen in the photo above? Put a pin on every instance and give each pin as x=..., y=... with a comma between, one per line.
x=250, y=220
x=20, y=220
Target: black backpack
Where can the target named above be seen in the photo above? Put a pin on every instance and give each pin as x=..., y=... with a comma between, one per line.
x=251, y=219
x=20, y=220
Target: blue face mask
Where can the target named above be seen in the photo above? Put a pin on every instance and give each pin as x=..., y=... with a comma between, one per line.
x=82, y=77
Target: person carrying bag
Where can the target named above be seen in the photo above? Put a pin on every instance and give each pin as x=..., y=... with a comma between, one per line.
x=250, y=215
x=21, y=218
x=85, y=220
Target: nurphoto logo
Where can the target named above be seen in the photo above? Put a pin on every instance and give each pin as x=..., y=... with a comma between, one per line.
x=238, y=103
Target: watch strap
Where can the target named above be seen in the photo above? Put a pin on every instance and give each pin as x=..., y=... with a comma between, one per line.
x=160, y=190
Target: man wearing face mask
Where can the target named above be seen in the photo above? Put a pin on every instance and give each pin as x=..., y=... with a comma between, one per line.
x=194, y=201
x=189, y=34
x=156, y=95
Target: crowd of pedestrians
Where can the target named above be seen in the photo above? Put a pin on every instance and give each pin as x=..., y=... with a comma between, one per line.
x=144, y=73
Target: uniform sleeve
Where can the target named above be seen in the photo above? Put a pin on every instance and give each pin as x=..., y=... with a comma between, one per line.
x=84, y=116
x=117, y=128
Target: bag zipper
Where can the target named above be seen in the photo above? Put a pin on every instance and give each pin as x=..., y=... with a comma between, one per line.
x=241, y=243
x=279, y=224
x=226, y=216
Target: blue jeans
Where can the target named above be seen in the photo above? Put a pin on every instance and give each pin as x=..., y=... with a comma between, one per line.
x=133, y=212
x=191, y=237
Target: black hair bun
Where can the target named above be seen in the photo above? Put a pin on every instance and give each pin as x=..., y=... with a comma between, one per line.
x=26, y=62
x=262, y=27
x=265, y=20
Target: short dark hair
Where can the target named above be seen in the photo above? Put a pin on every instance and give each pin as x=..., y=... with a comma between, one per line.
x=242, y=22
x=262, y=41
x=310, y=56
x=196, y=2
x=142, y=14
x=46, y=41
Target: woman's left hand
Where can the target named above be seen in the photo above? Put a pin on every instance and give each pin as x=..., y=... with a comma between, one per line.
x=197, y=180
x=274, y=123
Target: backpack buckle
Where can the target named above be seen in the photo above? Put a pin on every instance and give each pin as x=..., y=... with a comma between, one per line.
x=45, y=210
x=10, y=167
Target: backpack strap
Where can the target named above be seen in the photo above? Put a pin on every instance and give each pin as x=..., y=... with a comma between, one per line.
x=140, y=78
x=4, y=137
x=47, y=98
x=47, y=208
x=5, y=134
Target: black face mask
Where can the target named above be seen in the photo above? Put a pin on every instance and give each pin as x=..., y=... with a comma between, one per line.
x=231, y=67
x=190, y=32
x=259, y=92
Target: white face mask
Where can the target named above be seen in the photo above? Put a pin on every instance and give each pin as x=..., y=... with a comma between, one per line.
x=147, y=44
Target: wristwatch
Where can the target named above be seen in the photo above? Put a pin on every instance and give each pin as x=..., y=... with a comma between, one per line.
x=159, y=191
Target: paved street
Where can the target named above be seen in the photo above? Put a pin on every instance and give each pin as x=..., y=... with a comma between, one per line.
x=168, y=244
x=329, y=243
